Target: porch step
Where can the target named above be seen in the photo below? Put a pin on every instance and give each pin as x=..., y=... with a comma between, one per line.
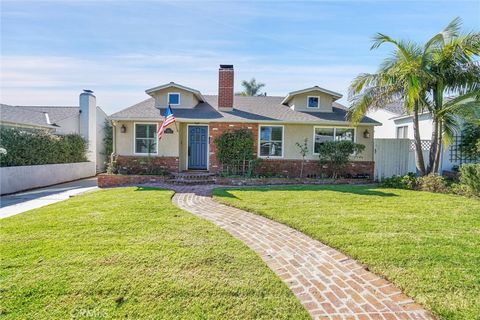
x=193, y=178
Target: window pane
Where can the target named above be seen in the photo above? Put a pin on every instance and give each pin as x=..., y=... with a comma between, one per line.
x=344, y=134
x=313, y=102
x=265, y=133
x=141, y=130
x=146, y=146
x=322, y=135
x=173, y=98
x=277, y=133
x=271, y=141
x=145, y=130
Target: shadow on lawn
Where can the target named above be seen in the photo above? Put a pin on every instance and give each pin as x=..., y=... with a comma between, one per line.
x=358, y=190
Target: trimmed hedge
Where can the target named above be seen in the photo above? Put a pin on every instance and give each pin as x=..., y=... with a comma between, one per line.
x=34, y=147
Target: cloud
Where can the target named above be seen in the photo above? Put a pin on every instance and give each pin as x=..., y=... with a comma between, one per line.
x=120, y=81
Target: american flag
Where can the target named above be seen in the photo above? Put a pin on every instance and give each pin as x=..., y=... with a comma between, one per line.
x=168, y=119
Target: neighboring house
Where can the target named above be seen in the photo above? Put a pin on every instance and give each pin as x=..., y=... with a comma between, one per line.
x=277, y=124
x=86, y=119
x=398, y=124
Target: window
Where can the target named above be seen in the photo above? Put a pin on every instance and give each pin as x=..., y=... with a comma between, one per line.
x=402, y=132
x=145, y=138
x=312, y=102
x=173, y=98
x=271, y=141
x=321, y=135
x=344, y=134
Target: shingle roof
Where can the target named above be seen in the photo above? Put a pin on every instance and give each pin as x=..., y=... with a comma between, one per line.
x=35, y=115
x=396, y=108
x=256, y=109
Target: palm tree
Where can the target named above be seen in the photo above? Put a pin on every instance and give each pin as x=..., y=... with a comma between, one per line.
x=421, y=76
x=251, y=88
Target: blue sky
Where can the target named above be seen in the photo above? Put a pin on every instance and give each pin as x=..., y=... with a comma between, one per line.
x=51, y=50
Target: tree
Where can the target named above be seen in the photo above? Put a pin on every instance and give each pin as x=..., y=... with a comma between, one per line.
x=251, y=88
x=303, y=150
x=421, y=76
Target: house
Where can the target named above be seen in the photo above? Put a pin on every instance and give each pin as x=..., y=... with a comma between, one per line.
x=277, y=124
x=86, y=119
x=397, y=123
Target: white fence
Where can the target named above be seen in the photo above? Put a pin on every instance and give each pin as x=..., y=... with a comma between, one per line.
x=391, y=157
x=14, y=179
x=397, y=157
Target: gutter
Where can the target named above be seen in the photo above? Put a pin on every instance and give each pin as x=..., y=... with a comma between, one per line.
x=185, y=120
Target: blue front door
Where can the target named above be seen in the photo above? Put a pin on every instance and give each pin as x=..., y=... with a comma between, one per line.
x=197, y=147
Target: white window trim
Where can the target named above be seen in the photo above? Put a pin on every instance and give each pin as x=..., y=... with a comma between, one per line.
x=208, y=143
x=334, y=134
x=135, y=139
x=168, y=99
x=318, y=105
x=260, y=136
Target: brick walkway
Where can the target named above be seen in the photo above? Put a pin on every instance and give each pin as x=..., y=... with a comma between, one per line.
x=329, y=284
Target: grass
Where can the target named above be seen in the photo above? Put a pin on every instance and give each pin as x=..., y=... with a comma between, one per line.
x=129, y=253
x=428, y=244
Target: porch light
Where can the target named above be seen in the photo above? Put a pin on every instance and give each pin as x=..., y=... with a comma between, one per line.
x=366, y=134
x=123, y=128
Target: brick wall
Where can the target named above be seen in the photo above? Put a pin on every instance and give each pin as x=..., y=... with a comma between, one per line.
x=311, y=169
x=117, y=180
x=139, y=165
x=216, y=129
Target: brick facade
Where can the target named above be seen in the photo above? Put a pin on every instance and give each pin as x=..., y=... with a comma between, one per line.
x=311, y=169
x=117, y=180
x=140, y=165
x=216, y=130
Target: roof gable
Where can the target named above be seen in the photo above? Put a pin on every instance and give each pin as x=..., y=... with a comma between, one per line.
x=196, y=93
x=336, y=95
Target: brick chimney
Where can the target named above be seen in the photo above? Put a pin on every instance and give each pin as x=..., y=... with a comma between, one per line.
x=225, y=87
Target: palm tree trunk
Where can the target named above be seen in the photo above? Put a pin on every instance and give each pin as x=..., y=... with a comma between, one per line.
x=418, y=143
x=433, y=146
x=438, y=153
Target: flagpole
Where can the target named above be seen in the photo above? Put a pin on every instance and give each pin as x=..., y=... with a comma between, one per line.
x=175, y=121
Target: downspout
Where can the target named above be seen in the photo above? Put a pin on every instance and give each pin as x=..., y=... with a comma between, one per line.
x=114, y=142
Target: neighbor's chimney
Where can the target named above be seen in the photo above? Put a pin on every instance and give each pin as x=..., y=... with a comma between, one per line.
x=88, y=122
x=225, y=87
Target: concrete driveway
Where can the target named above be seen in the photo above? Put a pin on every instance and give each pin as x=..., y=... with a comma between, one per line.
x=23, y=201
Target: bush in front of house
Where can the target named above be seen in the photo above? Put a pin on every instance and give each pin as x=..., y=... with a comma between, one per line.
x=470, y=177
x=337, y=154
x=234, y=150
x=469, y=182
x=34, y=147
x=408, y=181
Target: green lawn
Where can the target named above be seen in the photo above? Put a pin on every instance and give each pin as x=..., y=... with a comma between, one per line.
x=129, y=253
x=426, y=243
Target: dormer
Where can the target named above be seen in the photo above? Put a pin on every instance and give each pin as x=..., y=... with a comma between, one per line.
x=314, y=99
x=176, y=95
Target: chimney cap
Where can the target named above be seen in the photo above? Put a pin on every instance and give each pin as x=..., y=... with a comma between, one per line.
x=87, y=91
x=226, y=66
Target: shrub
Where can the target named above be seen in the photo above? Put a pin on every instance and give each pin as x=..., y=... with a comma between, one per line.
x=336, y=154
x=470, y=177
x=433, y=183
x=234, y=148
x=34, y=147
x=408, y=181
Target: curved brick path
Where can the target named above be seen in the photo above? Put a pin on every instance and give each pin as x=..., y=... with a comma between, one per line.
x=329, y=284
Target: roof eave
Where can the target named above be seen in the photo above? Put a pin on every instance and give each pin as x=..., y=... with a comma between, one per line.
x=189, y=120
x=176, y=85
